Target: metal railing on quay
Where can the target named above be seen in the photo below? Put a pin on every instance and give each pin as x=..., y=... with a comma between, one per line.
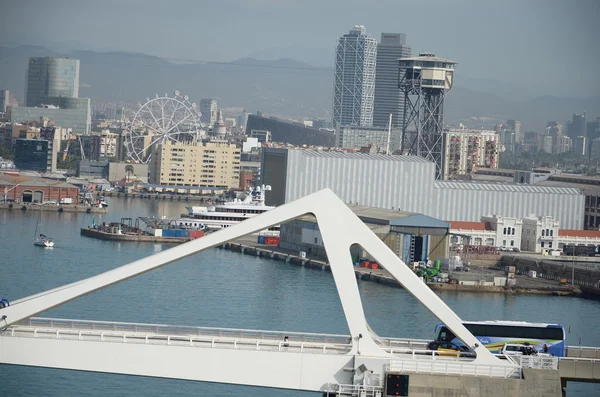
x=177, y=340
x=333, y=390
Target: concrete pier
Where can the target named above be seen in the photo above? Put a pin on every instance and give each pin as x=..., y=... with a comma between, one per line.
x=95, y=233
x=535, y=383
x=80, y=208
x=381, y=276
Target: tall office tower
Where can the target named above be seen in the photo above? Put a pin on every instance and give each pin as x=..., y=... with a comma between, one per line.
x=577, y=127
x=515, y=126
x=208, y=108
x=555, y=130
x=593, y=128
x=4, y=100
x=354, y=79
x=49, y=78
x=388, y=99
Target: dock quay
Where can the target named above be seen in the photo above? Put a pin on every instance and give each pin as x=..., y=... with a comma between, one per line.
x=107, y=235
x=163, y=196
x=80, y=208
x=248, y=247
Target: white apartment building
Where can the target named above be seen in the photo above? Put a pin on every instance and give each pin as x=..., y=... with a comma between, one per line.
x=213, y=163
x=466, y=150
x=539, y=233
x=108, y=144
x=531, y=233
x=493, y=230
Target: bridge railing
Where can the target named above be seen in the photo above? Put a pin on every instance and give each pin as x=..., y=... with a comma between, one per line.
x=583, y=352
x=222, y=342
x=334, y=390
x=537, y=362
x=186, y=330
x=453, y=367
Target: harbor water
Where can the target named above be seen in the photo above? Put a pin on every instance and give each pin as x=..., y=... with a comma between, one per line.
x=218, y=288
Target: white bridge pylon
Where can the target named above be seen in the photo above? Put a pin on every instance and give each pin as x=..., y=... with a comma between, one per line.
x=340, y=228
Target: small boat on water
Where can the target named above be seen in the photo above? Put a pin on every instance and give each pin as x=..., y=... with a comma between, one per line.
x=41, y=240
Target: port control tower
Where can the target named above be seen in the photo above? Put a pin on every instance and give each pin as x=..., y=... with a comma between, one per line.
x=425, y=80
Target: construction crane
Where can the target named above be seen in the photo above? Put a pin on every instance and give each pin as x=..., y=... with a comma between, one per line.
x=66, y=151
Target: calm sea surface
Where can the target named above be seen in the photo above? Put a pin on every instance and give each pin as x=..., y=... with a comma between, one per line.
x=218, y=288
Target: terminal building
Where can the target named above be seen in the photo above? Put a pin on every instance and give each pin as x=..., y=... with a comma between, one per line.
x=408, y=183
x=531, y=233
x=293, y=133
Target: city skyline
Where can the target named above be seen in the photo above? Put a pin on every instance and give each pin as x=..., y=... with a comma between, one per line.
x=481, y=45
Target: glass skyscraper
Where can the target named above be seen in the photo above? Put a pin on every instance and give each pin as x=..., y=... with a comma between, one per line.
x=50, y=78
x=354, y=80
x=389, y=99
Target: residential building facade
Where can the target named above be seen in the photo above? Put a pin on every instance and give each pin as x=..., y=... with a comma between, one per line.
x=467, y=150
x=210, y=164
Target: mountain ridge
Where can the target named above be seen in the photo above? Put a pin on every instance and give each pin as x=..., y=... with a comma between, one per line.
x=283, y=86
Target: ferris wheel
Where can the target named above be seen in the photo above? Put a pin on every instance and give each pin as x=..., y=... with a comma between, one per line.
x=161, y=119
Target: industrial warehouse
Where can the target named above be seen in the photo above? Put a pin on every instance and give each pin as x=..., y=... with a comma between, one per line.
x=408, y=183
x=413, y=237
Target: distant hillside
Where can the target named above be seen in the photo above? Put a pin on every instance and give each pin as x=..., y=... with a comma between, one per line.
x=284, y=87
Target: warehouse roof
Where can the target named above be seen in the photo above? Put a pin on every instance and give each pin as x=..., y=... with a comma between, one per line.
x=506, y=187
x=464, y=225
x=361, y=156
x=32, y=181
x=578, y=233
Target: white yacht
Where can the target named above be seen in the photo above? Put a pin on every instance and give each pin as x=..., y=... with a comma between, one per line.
x=230, y=213
x=224, y=215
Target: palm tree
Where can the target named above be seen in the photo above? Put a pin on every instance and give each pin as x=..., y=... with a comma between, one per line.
x=129, y=171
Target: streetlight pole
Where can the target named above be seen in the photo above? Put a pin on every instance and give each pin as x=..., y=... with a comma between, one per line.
x=573, y=270
x=6, y=190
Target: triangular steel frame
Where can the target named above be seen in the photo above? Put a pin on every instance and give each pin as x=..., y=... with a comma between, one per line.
x=340, y=228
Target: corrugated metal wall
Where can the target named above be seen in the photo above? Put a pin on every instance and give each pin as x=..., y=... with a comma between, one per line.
x=471, y=205
x=372, y=182
x=409, y=186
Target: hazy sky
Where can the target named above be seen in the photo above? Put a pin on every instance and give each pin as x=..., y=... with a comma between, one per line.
x=549, y=46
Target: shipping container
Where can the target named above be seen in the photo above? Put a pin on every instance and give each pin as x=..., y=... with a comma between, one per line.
x=261, y=239
x=271, y=240
x=169, y=233
x=194, y=234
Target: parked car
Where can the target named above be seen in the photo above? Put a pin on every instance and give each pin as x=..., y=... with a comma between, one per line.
x=450, y=349
x=516, y=249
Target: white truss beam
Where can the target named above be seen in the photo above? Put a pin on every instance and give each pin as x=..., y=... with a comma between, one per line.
x=340, y=228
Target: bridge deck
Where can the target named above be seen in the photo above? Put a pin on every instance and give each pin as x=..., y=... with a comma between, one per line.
x=408, y=354
x=581, y=364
